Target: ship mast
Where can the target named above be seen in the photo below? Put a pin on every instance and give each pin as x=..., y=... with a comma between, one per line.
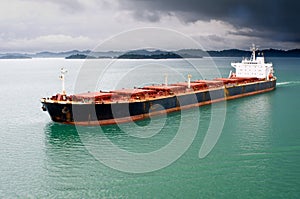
x=62, y=77
x=253, y=49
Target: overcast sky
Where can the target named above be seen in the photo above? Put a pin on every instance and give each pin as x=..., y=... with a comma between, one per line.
x=60, y=25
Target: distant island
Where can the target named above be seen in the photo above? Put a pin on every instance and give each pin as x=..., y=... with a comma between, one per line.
x=150, y=54
x=80, y=56
x=15, y=57
x=145, y=54
x=83, y=56
x=139, y=54
x=189, y=53
x=266, y=52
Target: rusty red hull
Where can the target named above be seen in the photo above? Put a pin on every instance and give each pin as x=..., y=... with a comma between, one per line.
x=112, y=107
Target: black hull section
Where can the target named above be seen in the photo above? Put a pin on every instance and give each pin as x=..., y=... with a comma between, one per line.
x=86, y=114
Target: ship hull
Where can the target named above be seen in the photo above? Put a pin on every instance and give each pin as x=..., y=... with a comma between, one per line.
x=112, y=113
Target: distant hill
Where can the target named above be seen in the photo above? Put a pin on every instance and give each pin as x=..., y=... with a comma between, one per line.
x=198, y=53
x=145, y=54
x=80, y=56
x=11, y=56
x=60, y=54
x=281, y=53
x=230, y=53
x=191, y=53
x=266, y=52
x=108, y=54
x=150, y=54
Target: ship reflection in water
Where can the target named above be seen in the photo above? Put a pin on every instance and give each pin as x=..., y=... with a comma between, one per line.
x=71, y=168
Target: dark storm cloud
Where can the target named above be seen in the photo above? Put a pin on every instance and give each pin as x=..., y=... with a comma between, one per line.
x=274, y=19
x=69, y=6
x=152, y=16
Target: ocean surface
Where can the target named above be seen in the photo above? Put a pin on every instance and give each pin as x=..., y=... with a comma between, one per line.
x=253, y=153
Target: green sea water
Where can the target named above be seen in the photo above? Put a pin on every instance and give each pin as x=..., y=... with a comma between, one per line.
x=256, y=156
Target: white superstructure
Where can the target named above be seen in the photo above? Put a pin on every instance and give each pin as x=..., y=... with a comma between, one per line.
x=253, y=67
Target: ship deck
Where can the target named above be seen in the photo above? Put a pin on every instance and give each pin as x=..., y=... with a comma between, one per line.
x=153, y=92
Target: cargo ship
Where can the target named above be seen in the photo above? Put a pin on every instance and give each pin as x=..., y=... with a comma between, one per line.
x=251, y=76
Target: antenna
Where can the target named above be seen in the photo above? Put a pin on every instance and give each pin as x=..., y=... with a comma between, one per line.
x=63, y=71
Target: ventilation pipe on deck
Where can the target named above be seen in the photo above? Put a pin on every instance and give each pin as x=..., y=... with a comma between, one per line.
x=230, y=74
x=166, y=79
x=189, y=81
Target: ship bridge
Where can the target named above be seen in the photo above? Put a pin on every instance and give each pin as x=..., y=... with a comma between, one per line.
x=255, y=67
